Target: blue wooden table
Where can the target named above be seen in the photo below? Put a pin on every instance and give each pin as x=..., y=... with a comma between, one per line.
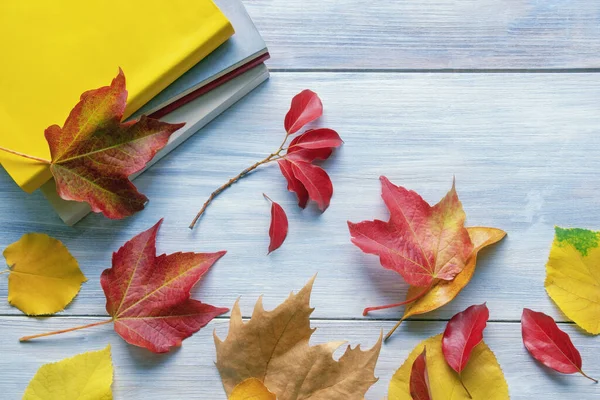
x=505, y=96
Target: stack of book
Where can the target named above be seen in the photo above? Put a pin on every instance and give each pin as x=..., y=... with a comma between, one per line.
x=184, y=62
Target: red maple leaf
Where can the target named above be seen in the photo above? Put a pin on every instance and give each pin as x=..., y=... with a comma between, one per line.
x=94, y=153
x=148, y=296
x=420, y=242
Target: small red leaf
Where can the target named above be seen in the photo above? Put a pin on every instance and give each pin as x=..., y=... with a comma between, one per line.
x=279, y=225
x=308, y=155
x=463, y=332
x=306, y=107
x=294, y=185
x=318, y=139
x=316, y=181
x=419, y=379
x=548, y=344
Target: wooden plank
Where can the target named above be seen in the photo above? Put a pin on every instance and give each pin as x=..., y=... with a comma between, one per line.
x=189, y=372
x=435, y=34
x=523, y=147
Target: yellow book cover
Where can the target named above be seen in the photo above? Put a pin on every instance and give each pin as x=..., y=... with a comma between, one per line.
x=53, y=51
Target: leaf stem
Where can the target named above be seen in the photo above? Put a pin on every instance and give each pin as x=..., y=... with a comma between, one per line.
x=6, y=271
x=464, y=387
x=417, y=297
x=27, y=338
x=271, y=157
x=587, y=376
x=16, y=153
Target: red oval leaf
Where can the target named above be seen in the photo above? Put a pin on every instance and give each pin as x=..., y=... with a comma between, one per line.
x=419, y=379
x=306, y=107
x=318, y=139
x=548, y=344
x=279, y=225
x=316, y=181
x=463, y=332
x=294, y=185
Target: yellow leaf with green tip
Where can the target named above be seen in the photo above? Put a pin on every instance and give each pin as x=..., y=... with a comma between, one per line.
x=573, y=276
x=482, y=376
x=251, y=389
x=44, y=277
x=86, y=376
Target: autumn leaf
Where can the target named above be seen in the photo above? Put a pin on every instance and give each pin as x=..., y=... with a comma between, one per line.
x=296, y=161
x=573, y=276
x=94, y=154
x=273, y=347
x=463, y=332
x=279, y=225
x=43, y=276
x=148, y=296
x=315, y=180
x=483, y=375
x=251, y=389
x=426, y=245
x=420, y=242
x=548, y=344
x=294, y=184
x=306, y=107
x=419, y=379
x=314, y=144
x=84, y=376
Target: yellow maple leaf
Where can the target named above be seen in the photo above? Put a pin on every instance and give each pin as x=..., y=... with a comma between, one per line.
x=573, y=276
x=483, y=375
x=44, y=277
x=273, y=346
x=251, y=389
x=86, y=376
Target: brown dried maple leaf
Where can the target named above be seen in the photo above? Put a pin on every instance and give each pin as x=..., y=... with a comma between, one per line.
x=273, y=346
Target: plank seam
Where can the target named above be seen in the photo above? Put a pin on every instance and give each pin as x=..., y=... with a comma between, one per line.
x=439, y=70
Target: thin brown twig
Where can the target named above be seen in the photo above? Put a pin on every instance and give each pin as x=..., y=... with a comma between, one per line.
x=270, y=158
x=17, y=153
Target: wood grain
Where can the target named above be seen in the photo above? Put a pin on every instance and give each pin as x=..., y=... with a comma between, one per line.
x=189, y=372
x=430, y=34
x=523, y=147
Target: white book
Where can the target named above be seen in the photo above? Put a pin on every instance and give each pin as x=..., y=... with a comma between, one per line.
x=195, y=114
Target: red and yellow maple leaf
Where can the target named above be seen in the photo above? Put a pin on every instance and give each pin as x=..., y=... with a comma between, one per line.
x=94, y=153
x=148, y=296
x=420, y=242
